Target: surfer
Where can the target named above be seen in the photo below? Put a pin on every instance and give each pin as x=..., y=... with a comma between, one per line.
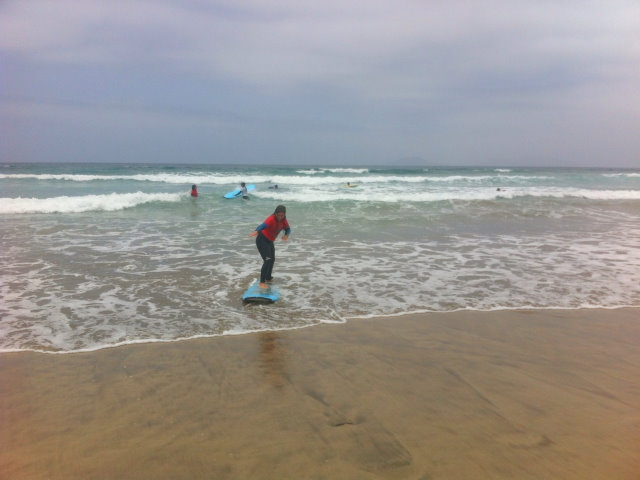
x=245, y=194
x=266, y=234
x=194, y=191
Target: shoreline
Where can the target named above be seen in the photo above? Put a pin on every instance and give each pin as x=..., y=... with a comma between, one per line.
x=500, y=394
x=390, y=317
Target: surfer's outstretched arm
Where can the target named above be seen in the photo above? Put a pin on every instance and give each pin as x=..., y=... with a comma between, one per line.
x=261, y=227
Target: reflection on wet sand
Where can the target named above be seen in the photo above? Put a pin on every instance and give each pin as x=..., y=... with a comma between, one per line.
x=273, y=359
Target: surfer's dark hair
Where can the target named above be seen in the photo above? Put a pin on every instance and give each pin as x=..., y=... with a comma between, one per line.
x=242, y=184
x=280, y=208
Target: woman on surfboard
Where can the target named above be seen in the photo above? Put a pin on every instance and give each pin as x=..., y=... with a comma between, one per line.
x=266, y=234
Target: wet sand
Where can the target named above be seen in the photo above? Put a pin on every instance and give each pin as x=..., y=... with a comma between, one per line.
x=499, y=395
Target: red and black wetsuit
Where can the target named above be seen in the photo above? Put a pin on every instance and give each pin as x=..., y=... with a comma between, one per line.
x=267, y=233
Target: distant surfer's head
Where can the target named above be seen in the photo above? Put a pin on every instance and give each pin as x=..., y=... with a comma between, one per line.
x=242, y=184
x=193, y=187
x=280, y=209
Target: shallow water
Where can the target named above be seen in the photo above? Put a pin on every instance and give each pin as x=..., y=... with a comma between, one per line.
x=97, y=255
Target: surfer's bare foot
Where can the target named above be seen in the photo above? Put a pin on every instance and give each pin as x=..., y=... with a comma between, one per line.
x=263, y=285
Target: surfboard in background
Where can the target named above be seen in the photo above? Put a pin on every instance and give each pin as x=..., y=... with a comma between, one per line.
x=238, y=192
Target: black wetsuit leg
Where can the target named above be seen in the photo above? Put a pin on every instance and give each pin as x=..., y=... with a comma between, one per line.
x=272, y=254
x=268, y=254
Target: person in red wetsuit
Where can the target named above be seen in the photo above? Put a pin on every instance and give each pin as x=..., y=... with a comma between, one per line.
x=194, y=191
x=265, y=235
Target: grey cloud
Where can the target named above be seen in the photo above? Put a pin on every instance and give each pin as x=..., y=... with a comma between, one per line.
x=496, y=75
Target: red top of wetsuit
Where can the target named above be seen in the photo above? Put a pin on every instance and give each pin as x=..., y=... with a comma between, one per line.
x=272, y=227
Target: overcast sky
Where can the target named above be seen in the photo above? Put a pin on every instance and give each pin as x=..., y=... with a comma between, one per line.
x=331, y=82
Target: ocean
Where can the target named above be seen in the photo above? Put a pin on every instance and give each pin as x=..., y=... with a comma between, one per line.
x=95, y=255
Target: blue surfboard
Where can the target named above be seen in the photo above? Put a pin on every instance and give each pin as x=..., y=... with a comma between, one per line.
x=238, y=192
x=255, y=294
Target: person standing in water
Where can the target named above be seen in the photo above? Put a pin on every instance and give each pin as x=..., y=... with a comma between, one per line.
x=266, y=234
x=194, y=191
x=245, y=193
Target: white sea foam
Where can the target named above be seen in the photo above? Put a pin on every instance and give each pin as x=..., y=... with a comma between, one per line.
x=179, y=289
x=402, y=194
x=318, y=171
x=65, y=204
x=305, y=178
x=170, y=178
x=622, y=174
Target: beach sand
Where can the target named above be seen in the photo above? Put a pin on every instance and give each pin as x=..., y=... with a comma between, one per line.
x=547, y=394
